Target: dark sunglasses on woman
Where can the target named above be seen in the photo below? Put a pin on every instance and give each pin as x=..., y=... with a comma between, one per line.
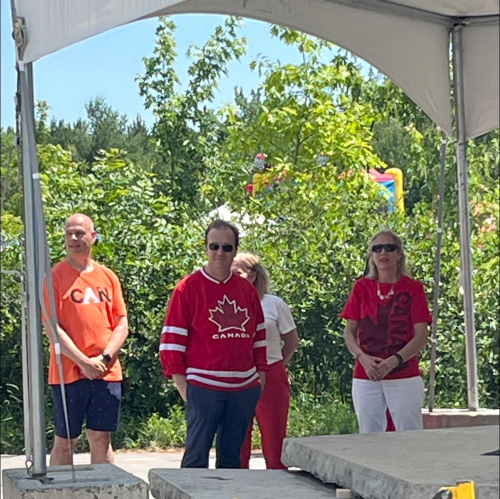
x=227, y=248
x=389, y=248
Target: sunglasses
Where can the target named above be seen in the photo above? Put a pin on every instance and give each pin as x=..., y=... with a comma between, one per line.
x=389, y=248
x=227, y=248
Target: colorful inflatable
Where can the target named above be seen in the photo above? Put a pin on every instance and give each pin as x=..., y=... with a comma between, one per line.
x=391, y=180
x=261, y=179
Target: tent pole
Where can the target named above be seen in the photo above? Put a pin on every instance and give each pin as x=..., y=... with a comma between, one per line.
x=28, y=437
x=36, y=375
x=437, y=276
x=25, y=366
x=465, y=232
x=33, y=376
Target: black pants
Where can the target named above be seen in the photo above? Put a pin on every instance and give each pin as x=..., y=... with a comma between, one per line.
x=211, y=412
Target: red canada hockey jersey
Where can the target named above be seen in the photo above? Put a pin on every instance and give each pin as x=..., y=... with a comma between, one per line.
x=214, y=333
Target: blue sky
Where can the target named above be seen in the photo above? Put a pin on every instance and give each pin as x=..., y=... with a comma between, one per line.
x=107, y=65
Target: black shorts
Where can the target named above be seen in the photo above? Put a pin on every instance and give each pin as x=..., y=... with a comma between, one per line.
x=97, y=402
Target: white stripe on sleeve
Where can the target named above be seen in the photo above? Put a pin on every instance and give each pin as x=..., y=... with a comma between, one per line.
x=259, y=344
x=172, y=346
x=174, y=330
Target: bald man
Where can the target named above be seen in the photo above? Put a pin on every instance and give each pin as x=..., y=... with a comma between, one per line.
x=92, y=327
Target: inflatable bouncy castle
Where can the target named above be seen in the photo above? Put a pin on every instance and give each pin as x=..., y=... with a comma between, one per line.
x=391, y=181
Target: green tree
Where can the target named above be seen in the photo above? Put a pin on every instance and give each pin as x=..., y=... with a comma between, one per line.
x=107, y=127
x=75, y=138
x=140, y=145
x=10, y=200
x=186, y=130
x=298, y=112
x=102, y=130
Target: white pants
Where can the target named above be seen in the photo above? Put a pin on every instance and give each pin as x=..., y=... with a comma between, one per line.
x=403, y=397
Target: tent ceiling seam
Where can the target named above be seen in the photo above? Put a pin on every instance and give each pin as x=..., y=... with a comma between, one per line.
x=388, y=7
x=480, y=20
x=409, y=12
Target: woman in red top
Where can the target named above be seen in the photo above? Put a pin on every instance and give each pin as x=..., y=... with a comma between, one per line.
x=387, y=326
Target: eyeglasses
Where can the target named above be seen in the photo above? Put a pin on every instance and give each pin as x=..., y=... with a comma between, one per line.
x=389, y=248
x=227, y=248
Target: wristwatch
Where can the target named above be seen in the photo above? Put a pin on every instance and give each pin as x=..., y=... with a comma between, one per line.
x=106, y=358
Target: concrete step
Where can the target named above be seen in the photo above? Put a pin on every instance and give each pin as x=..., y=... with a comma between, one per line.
x=97, y=481
x=235, y=484
x=459, y=418
x=397, y=465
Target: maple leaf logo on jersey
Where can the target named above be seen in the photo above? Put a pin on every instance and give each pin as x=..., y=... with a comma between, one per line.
x=227, y=315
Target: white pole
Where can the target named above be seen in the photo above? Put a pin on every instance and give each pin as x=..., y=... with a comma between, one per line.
x=36, y=375
x=465, y=232
x=28, y=447
x=437, y=276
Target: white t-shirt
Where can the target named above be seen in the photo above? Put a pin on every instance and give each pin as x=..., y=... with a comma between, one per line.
x=279, y=321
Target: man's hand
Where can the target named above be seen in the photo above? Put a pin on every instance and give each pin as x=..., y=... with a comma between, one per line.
x=181, y=384
x=93, y=367
x=262, y=379
x=371, y=365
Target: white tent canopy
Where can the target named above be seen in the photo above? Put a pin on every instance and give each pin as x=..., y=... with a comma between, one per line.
x=408, y=40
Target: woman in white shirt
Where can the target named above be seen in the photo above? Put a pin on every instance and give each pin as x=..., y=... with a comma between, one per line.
x=282, y=342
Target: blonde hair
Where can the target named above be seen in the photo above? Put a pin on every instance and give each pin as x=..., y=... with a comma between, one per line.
x=372, y=271
x=253, y=264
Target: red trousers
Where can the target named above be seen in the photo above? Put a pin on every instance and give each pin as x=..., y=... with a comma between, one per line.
x=272, y=415
x=390, y=423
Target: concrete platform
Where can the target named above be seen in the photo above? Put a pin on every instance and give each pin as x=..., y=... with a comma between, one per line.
x=459, y=418
x=404, y=465
x=101, y=481
x=235, y=484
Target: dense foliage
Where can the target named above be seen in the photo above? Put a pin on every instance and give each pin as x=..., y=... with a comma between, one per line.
x=150, y=192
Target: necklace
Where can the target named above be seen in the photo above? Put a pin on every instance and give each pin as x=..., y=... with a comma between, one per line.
x=388, y=295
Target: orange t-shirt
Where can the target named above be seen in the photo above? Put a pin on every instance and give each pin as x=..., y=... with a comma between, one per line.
x=88, y=306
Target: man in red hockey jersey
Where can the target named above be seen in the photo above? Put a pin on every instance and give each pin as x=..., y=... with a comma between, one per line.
x=213, y=346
